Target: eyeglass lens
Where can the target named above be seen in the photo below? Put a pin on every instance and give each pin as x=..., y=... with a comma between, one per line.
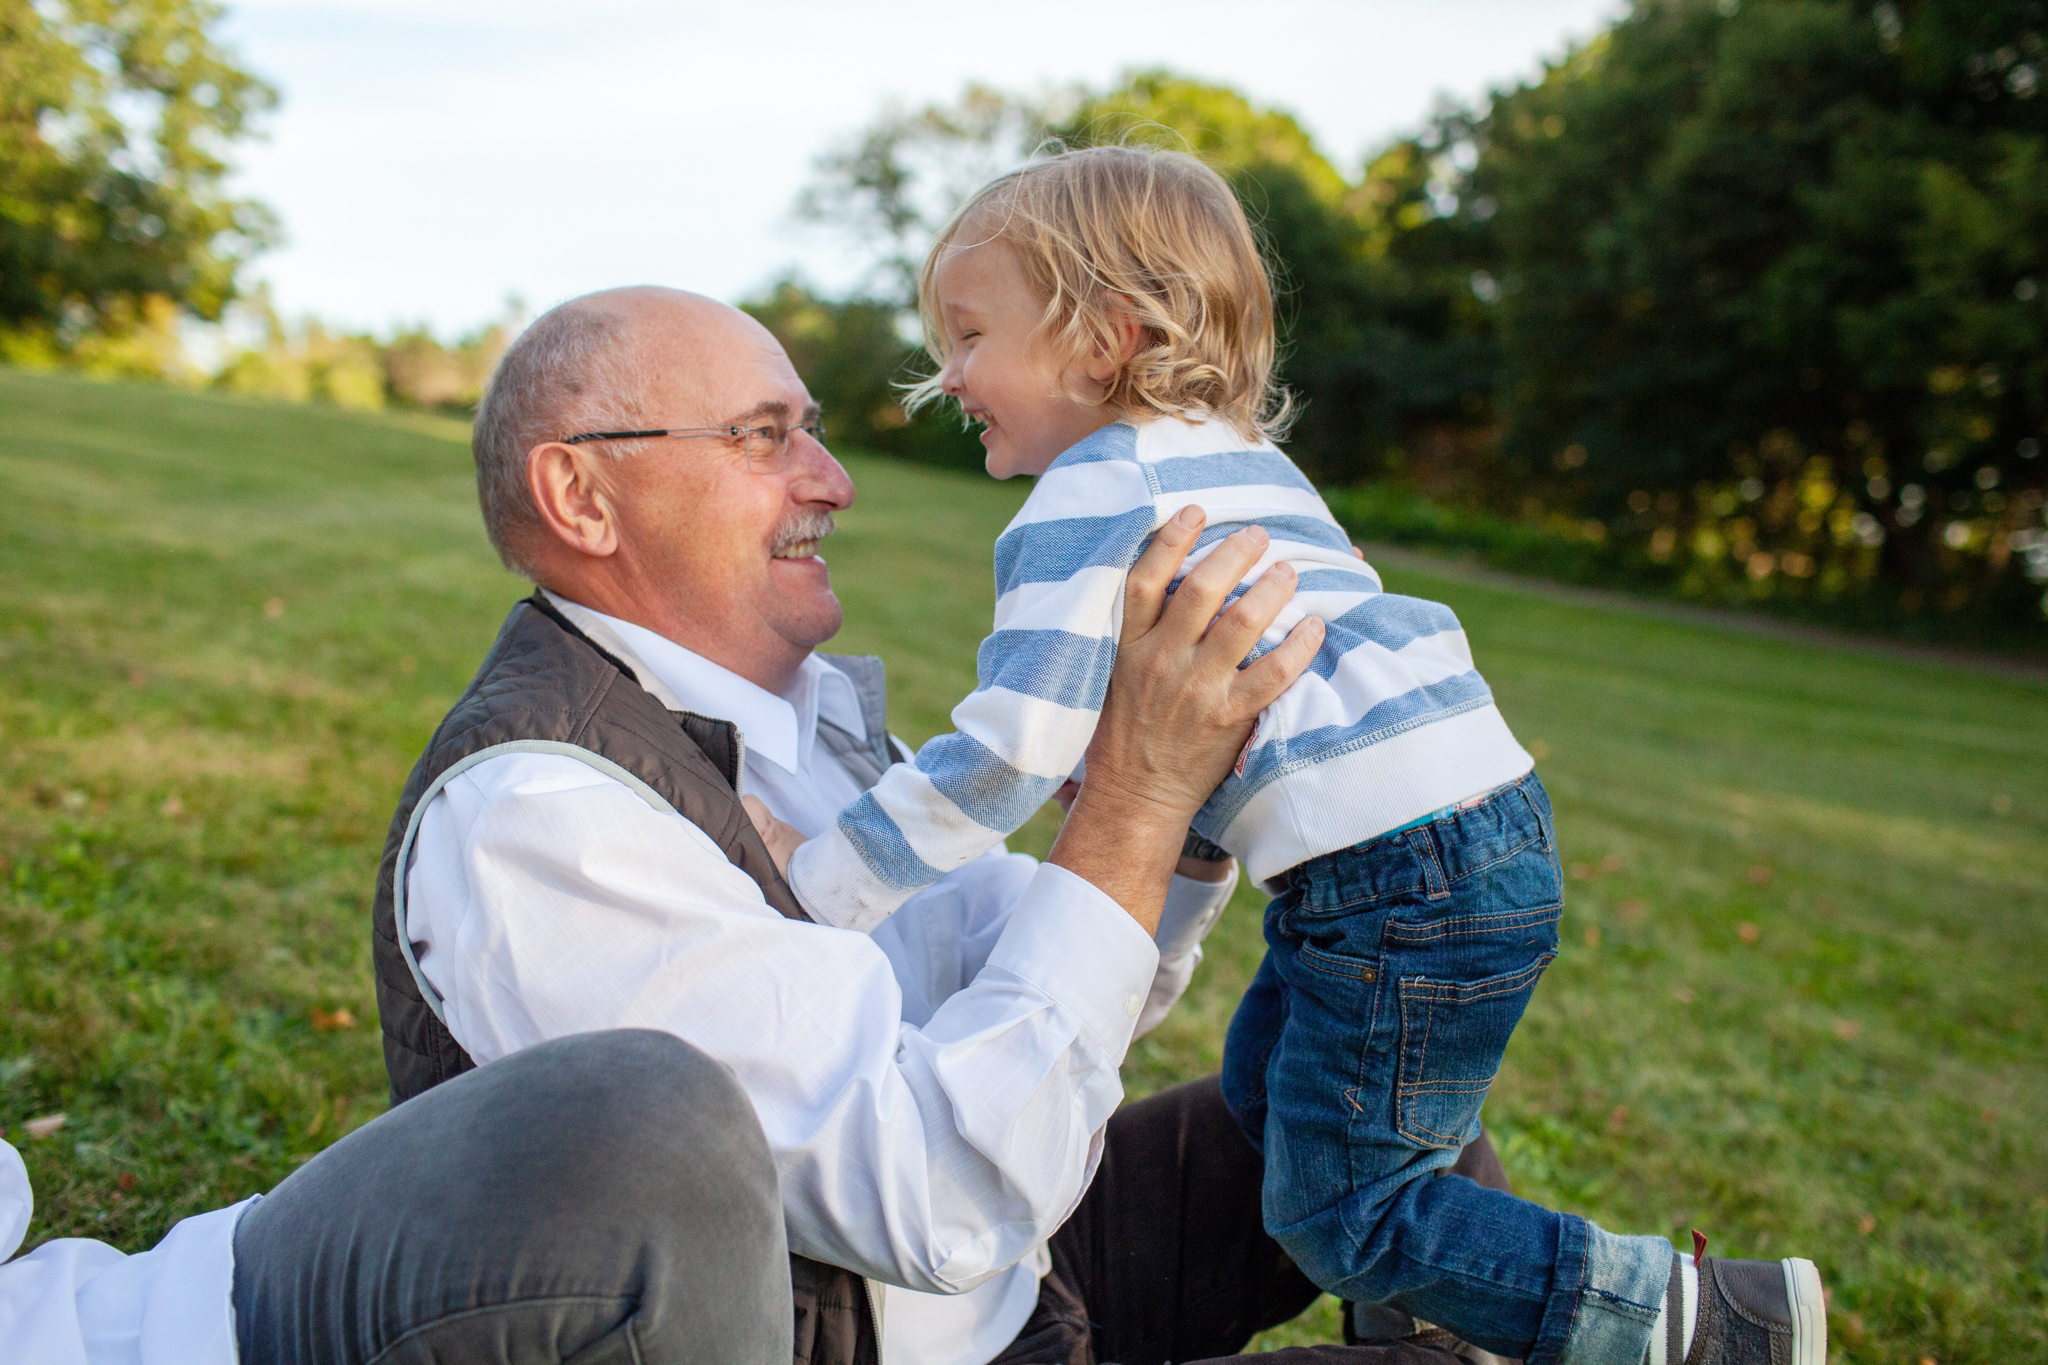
x=768, y=447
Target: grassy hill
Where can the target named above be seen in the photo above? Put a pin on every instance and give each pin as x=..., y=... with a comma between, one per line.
x=1801, y=1005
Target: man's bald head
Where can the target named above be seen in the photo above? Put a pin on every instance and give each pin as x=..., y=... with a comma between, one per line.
x=594, y=363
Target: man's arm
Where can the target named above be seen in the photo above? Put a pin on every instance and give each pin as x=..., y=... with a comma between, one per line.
x=549, y=900
x=1195, y=901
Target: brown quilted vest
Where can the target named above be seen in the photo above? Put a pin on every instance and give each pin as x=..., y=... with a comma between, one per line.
x=547, y=687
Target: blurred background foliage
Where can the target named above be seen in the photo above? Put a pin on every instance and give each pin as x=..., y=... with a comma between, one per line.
x=410, y=368
x=1741, y=300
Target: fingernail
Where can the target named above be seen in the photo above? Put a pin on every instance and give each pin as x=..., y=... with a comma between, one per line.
x=1257, y=534
x=1190, y=516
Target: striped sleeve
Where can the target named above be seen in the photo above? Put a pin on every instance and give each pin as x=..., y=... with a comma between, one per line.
x=1041, y=677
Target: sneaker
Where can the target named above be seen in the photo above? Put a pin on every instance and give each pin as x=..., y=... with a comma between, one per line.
x=1752, y=1313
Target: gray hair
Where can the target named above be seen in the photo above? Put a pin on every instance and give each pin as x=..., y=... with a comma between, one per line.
x=569, y=372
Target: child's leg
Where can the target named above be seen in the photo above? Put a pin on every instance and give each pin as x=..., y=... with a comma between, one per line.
x=1248, y=1049
x=1404, y=967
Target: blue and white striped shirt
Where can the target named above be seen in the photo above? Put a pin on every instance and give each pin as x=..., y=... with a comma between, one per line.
x=1390, y=723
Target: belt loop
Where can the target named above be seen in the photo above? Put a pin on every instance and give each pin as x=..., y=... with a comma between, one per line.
x=1536, y=812
x=1423, y=840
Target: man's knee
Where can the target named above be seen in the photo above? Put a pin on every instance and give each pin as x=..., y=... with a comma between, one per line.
x=642, y=1113
x=620, y=1166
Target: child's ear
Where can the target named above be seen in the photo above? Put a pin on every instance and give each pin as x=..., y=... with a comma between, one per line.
x=1129, y=333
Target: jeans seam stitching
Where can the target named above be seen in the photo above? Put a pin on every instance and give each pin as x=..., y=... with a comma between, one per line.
x=1445, y=928
x=1502, y=857
x=1447, y=990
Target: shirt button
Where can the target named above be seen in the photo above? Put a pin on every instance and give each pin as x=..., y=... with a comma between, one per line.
x=1132, y=1005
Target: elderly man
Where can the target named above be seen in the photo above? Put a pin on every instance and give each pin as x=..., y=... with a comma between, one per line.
x=572, y=854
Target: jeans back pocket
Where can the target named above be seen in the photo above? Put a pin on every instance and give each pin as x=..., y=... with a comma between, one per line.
x=1452, y=1036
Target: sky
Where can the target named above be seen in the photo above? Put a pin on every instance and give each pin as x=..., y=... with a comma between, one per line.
x=432, y=158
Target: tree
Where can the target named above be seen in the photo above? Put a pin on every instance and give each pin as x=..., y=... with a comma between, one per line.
x=1772, y=288
x=115, y=121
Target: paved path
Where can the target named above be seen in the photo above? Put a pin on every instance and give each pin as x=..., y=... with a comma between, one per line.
x=1466, y=571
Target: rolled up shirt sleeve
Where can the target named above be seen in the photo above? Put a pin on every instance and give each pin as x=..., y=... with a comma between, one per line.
x=547, y=899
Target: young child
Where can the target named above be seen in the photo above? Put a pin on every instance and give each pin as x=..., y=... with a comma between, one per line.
x=1106, y=316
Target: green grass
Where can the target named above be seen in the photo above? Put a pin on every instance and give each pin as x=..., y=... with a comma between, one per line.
x=194, y=791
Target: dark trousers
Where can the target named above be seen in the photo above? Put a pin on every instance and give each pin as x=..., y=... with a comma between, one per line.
x=597, y=1199
x=1167, y=1257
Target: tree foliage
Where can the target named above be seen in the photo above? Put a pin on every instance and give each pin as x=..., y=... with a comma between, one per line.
x=1791, y=251
x=116, y=117
x=309, y=361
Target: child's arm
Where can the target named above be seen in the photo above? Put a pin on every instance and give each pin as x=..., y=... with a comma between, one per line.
x=1042, y=676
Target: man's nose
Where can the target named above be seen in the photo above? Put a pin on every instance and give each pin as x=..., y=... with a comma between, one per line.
x=815, y=476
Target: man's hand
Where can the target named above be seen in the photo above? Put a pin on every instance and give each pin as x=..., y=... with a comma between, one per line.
x=1179, y=709
x=1196, y=869
x=782, y=839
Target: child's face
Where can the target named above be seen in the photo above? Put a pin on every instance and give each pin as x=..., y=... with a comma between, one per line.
x=1000, y=377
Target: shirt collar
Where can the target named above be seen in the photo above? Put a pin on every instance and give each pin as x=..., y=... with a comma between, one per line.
x=781, y=729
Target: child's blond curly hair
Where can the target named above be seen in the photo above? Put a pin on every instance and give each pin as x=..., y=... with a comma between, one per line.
x=1108, y=228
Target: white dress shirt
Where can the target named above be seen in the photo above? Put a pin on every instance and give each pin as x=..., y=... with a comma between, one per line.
x=73, y=1301
x=934, y=1092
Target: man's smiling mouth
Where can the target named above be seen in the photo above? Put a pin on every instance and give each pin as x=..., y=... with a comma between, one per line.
x=798, y=536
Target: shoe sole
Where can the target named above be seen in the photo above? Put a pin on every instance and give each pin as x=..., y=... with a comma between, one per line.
x=1809, y=1312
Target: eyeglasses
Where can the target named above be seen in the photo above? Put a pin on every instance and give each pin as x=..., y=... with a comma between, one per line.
x=766, y=447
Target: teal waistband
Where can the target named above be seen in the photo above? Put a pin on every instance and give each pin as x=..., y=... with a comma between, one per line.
x=1467, y=804
x=1417, y=822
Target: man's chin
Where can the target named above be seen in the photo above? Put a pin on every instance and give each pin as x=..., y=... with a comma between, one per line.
x=805, y=610
x=818, y=626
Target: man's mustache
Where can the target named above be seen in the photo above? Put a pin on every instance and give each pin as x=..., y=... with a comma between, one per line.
x=799, y=529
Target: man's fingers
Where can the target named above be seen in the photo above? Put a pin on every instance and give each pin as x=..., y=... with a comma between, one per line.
x=757, y=811
x=1259, y=686
x=1237, y=630
x=1201, y=594
x=1145, y=585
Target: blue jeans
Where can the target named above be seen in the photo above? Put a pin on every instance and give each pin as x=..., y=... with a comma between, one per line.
x=1359, y=1060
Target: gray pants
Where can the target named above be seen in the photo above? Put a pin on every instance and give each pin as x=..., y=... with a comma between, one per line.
x=601, y=1198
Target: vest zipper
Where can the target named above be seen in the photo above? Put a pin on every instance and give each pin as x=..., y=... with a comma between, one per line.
x=739, y=767
x=875, y=1289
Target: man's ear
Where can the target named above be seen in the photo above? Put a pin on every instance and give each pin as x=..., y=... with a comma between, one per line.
x=569, y=491
x=1129, y=333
